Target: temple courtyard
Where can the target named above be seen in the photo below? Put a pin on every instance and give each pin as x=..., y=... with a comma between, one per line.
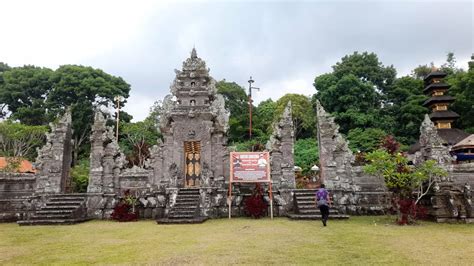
x=359, y=240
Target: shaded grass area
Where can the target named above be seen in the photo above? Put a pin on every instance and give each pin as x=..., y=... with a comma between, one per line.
x=359, y=240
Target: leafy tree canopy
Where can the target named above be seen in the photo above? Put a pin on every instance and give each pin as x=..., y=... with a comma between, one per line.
x=365, y=140
x=84, y=89
x=236, y=101
x=306, y=154
x=367, y=67
x=303, y=114
x=19, y=140
x=24, y=91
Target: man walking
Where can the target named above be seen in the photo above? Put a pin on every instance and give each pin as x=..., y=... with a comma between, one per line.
x=323, y=203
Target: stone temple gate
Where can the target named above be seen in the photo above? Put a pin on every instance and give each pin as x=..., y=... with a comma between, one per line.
x=194, y=128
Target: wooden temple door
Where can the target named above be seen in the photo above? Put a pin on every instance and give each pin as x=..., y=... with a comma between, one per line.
x=192, y=153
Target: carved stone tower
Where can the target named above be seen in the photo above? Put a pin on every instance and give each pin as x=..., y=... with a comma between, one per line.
x=194, y=125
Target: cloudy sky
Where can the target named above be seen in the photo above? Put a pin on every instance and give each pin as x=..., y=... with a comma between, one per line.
x=282, y=44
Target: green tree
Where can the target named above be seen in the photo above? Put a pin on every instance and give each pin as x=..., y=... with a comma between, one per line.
x=421, y=71
x=83, y=89
x=365, y=140
x=20, y=140
x=403, y=180
x=366, y=67
x=355, y=90
x=405, y=107
x=3, y=106
x=302, y=112
x=136, y=140
x=24, y=91
x=236, y=101
x=80, y=176
x=264, y=116
x=462, y=88
x=306, y=154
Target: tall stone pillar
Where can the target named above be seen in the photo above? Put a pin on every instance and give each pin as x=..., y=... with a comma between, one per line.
x=281, y=148
x=335, y=157
x=97, y=153
x=54, y=159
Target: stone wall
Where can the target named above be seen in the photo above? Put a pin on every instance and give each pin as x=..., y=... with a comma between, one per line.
x=15, y=189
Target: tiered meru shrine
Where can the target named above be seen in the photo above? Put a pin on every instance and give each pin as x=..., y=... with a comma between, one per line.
x=186, y=178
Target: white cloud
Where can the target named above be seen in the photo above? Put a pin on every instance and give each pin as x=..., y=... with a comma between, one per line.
x=138, y=105
x=50, y=33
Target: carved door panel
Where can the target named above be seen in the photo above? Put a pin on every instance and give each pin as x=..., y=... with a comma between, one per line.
x=192, y=163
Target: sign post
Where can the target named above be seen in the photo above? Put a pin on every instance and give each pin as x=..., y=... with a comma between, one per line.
x=250, y=167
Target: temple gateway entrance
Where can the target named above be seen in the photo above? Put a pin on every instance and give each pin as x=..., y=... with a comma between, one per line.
x=192, y=153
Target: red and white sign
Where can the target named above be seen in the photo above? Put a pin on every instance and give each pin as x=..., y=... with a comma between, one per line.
x=249, y=167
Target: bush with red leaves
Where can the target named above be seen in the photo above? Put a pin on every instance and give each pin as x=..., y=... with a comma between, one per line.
x=255, y=206
x=410, y=212
x=123, y=211
x=390, y=144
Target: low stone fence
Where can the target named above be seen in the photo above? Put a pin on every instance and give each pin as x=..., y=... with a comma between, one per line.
x=15, y=191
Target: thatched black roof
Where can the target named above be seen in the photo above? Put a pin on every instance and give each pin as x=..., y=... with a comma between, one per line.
x=438, y=115
x=438, y=99
x=432, y=86
x=435, y=74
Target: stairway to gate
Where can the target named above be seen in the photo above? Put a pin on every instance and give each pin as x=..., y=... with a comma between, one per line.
x=60, y=209
x=186, y=209
x=305, y=207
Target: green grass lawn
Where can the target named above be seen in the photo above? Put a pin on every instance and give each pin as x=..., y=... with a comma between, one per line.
x=359, y=240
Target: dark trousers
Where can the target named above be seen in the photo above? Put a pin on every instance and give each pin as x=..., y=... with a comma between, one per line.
x=324, y=213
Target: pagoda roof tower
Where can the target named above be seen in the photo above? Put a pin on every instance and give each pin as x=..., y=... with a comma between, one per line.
x=439, y=101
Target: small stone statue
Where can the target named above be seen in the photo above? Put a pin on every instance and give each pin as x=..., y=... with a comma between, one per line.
x=173, y=170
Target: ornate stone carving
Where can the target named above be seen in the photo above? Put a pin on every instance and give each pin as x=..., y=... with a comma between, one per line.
x=106, y=159
x=432, y=145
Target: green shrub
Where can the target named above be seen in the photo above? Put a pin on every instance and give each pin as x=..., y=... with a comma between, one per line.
x=306, y=154
x=80, y=176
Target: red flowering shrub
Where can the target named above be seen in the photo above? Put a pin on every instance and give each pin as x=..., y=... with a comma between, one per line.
x=255, y=206
x=124, y=211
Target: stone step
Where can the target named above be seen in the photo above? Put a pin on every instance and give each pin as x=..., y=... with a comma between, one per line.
x=62, y=203
x=306, y=202
x=183, y=212
x=82, y=195
x=187, y=202
x=195, y=220
x=306, y=198
x=54, y=211
x=187, y=196
x=50, y=216
x=187, y=199
x=180, y=216
x=60, y=207
x=51, y=221
x=317, y=217
x=189, y=192
x=306, y=194
x=54, y=199
x=307, y=206
x=315, y=211
x=184, y=207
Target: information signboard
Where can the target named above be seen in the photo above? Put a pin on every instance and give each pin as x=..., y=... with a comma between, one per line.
x=250, y=167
